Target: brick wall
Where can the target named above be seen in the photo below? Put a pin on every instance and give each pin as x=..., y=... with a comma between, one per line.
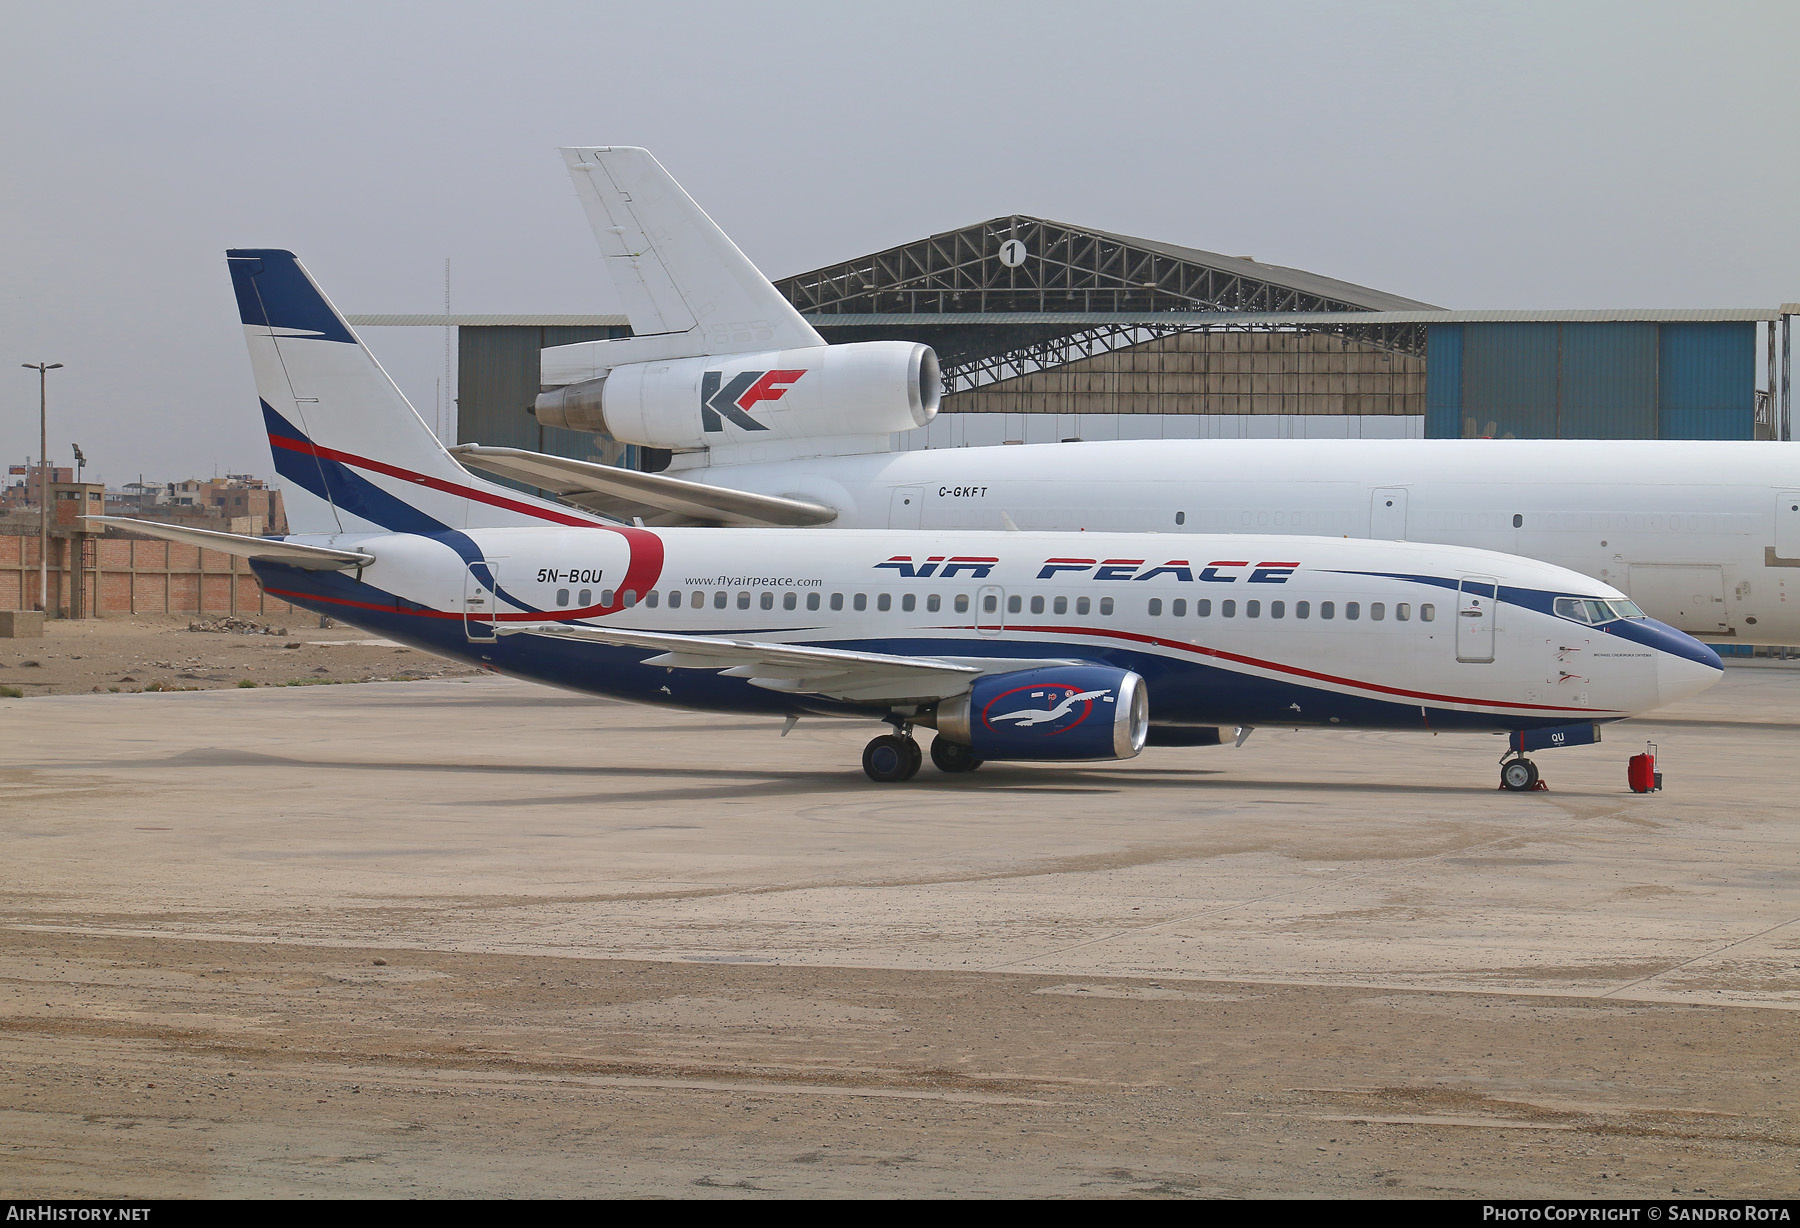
x=126, y=576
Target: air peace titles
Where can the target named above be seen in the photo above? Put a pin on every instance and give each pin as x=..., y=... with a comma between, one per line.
x=1218, y=571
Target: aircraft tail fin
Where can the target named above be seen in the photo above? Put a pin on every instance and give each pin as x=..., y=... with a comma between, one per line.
x=683, y=280
x=341, y=431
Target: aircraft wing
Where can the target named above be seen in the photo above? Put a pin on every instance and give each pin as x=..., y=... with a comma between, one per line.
x=834, y=673
x=269, y=550
x=626, y=493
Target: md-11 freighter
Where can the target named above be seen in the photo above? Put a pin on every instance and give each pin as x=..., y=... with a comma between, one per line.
x=767, y=424
x=1012, y=645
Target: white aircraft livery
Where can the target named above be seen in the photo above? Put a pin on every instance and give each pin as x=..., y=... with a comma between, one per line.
x=1012, y=645
x=769, y=425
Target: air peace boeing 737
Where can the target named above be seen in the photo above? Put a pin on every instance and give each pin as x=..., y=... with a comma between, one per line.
x=1012, y=645
x=770, y=425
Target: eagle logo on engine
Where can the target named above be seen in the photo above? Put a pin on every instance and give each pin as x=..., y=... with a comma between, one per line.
x=1049, y=709
x=720, y=400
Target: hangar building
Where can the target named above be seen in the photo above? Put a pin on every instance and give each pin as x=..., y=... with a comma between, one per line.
x=1048, y=331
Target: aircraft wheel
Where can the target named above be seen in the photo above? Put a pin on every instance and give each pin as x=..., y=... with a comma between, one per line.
x=952, y=756
x=891, y=758
x=1519, y=775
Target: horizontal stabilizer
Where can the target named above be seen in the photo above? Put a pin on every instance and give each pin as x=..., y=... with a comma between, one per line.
x=625, y=493
x=264, y=549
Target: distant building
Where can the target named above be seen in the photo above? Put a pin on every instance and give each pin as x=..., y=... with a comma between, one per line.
x=235, y=503
x=24, y=482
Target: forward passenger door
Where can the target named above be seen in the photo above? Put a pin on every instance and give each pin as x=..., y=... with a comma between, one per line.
x=1476, y=599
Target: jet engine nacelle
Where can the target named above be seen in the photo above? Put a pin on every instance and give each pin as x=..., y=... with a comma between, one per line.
x=862, y=388
x=1054, y=712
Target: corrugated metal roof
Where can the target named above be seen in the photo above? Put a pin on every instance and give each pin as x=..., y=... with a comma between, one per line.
x=1275, y=274
x=487, y=321
x=1619, y=315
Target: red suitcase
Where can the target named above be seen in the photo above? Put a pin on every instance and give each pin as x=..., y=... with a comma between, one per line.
x=1641, y=773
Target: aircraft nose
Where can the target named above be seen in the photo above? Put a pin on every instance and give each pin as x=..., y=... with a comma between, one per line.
x=1684, y=666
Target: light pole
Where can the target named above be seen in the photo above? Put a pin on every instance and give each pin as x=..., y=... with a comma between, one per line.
x=43, y=484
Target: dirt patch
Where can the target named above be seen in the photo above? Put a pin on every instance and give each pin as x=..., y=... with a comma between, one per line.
x=180, y=653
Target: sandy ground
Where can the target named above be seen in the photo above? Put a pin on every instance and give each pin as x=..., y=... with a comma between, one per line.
x=170, y=653
x=471, y=937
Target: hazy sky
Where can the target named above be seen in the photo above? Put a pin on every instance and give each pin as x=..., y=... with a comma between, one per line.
x=1493, y=155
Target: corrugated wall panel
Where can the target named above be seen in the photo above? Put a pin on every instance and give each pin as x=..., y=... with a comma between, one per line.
x=497, y=373
x=1708, y=381
x=1509, y=381
x=1443, y=381
x=1607, y=382
x=497, y=369
x=496, y=377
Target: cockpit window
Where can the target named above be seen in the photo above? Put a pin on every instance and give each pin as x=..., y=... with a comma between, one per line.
x=1594, y=610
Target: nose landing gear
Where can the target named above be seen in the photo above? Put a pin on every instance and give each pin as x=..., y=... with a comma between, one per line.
x=1520, y=775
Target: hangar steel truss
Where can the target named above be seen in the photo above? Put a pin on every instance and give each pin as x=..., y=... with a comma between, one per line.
x=1078, y=272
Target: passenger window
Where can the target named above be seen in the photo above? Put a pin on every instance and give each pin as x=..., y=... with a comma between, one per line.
x=674, y=599
x=1427, y=612
x=1155, y=607
x=1277, y=609
x=908, y=601
x=1081, y=605
x=837, y=601
x=933, y=603
x=1352, y=610
x=1402, y=612
x=1228, y=609
x=1178, y=607
x=884, y=601
x=697, y=600
x=1060, y=606
x=1012, y=605
x=789, y=600
x=743, y=601
x=1203, y=608
x=812, y=601
x=1303, y=609
x=1377, y=610
x=1328, y=609
x=653, y=599
x=1106, y=605
x=1518, y=522
x=1253, y=609
x=562, y=596
x=768, y=600
x=630, y=598
x=721, y=599
x=1037, y=605
x=586, y=597
x=860, y=601
x=990, y=604
x=962, y=603
x=1180, y=517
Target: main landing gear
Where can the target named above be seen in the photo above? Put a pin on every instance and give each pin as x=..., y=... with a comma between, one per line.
x=953, y=756
x=894, y=757
x=891, y=758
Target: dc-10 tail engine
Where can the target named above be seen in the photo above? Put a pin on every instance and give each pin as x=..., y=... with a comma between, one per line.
x=1056, y=712
x=861, y=388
